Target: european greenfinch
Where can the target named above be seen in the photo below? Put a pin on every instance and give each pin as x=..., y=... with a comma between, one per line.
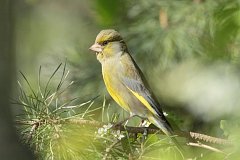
x=125, y=81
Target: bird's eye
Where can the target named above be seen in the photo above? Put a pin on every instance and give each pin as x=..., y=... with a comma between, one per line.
x=104, y=43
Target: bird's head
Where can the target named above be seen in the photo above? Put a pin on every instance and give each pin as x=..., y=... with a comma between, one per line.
x=108, y=44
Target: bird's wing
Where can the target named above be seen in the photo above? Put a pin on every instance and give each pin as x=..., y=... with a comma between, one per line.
x=135, y=82
x=143, y=95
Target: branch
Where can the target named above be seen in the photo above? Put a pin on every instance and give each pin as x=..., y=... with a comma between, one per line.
x=205, y=146
x=34, y=127
x=84, y=122
x=115, y=127
x=193, y=135
x=209, y=139
x=93, y=123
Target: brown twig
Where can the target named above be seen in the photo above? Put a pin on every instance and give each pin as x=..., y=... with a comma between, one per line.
x=163, y=18
x=209, y=139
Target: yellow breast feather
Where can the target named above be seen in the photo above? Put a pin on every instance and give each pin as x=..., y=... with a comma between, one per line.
x=114, y=93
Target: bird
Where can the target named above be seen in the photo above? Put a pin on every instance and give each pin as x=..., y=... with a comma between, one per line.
x=125, y=81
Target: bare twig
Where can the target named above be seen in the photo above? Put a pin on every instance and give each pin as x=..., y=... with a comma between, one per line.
x=205, y=146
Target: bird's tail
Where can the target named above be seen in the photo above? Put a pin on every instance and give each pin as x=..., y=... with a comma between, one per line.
x=164, y=125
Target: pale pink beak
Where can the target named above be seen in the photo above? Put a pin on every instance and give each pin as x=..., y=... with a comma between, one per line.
x=96, y=48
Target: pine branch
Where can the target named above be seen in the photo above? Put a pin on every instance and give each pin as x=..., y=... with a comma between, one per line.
x=193, y=135
x=129, y=129
x=209, y=139
x=34, y=127
x=108, y=149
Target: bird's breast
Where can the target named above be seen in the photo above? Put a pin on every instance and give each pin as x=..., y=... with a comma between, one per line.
x=114, y=86
x=119, y=92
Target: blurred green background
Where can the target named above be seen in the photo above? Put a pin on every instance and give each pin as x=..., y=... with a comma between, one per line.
x=188, y=51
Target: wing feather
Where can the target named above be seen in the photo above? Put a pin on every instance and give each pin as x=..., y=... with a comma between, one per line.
x=143, y=95
x=134, y=80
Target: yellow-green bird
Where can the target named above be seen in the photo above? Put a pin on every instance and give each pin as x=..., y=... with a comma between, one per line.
x=125, y=81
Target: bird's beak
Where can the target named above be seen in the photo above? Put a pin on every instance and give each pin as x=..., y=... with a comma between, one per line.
x=96, y=48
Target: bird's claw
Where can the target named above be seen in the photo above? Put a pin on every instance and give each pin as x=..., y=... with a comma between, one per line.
x=145, y=133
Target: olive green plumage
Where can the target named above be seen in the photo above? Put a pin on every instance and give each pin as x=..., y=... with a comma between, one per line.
x=125, y=81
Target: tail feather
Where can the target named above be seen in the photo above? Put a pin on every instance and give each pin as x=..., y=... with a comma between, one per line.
x=164, y=125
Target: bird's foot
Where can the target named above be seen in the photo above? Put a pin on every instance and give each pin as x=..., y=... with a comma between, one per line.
x=144, y=135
